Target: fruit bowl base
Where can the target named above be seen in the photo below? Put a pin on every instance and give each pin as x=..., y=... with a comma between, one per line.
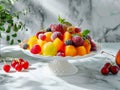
x=62, y=68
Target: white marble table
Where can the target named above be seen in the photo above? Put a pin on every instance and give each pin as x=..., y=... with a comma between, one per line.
x=39, y=77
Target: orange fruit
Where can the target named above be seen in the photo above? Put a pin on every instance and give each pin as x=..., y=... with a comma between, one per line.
x=58, y=43
x=117, y=58
x=81, y=50
x=70, y=50
x=67, y=36
x=32, y=41
x=48, y=36
x=87, y=45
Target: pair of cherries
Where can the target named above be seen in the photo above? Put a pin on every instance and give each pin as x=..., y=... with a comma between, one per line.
x=18, y=64
x=108, y=67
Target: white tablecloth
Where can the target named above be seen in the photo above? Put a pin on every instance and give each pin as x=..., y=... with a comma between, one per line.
x=39, y=77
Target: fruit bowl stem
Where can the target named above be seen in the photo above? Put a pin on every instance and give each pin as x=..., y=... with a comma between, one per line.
x=62, y=68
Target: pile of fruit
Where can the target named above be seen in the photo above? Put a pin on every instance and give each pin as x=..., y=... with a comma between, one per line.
x=61, y=39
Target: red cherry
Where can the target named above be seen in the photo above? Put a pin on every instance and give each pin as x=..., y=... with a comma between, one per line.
x=105, y=71
x=21, y=60
x=42, y=36
x=6, y=68
x=36, y=49
x=114, y=69
x=77, y=30
x=107, y=65
x=18, y=67
x=13, y=63
x=25, y=64
x=41, y=32
x=61, y=54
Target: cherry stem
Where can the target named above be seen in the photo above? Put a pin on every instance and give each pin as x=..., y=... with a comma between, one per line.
x=107, y=53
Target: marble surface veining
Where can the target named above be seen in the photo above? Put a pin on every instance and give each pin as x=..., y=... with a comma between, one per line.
x=101, y=17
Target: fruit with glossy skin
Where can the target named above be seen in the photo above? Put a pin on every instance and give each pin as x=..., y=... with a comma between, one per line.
x=58, y=43
x=42, y=36
x=70, y=50
x=93, y=46
x=13, y=63
x=25, y=46
x=49, y=49
x=67, y=36
x=48, y=36
x=81, y=50
x=56, y=35
x=57, y=27
x=114, y=69
x=41, y=32
x=105, y=71
x=25, y=64
x=18, y=67
x=117, y=58
x=6, y=68
x=48, y=30
x=60, y=53
x=36, y=49
x=77, y=41
x=87, y=45
x=68, y=42
x=108, y=65
x=77, y=30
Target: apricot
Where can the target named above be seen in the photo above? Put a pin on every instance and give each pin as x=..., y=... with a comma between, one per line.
x=81, y=50
x=87, y=45
x=117, y=58
x=58, y=43
x=67, y=36
x=48, y=36
x=70, y=50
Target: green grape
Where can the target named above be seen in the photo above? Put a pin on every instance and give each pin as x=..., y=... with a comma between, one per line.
x=49, y=49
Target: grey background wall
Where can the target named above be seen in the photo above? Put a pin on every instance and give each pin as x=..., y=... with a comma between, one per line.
x=102, y=17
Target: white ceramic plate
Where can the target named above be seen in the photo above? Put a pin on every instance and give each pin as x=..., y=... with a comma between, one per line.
x=49, y=58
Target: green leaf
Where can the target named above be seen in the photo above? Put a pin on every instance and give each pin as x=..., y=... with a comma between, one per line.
x=14, y=35
x=7, y=38
x=0, y=35
x=85, y=33
x=15, y=28
x=19, y=41
x=1, y=7
x=2, y=28
x=12, y=42
x=75, y=35
x=8, y=29
x=19, y=26
x=63, y=21
x=10, y=21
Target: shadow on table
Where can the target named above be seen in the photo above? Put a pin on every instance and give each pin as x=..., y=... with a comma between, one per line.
x=10, y=83
x=89, y=76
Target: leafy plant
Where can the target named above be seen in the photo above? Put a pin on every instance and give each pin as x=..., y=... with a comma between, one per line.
x=63, y=21
x=9, y=21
